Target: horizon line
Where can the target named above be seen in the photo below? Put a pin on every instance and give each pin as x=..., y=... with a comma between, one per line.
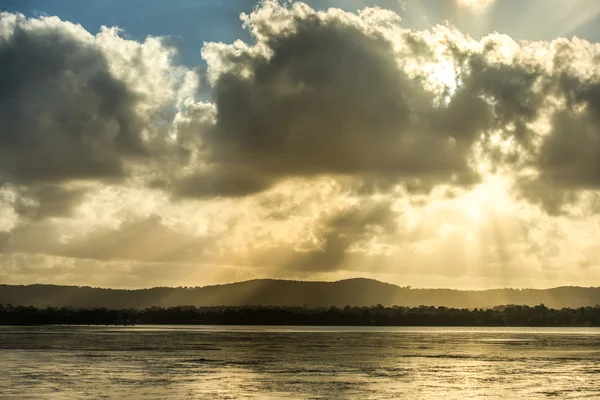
x=407, y=287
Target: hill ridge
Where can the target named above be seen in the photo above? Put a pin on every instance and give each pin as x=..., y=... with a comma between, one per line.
x=279, y=292
x=299, y=281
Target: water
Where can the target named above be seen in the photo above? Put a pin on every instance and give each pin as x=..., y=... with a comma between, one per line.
x=204, y=362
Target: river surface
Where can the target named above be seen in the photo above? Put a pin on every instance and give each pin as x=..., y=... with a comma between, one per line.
x=210, y=362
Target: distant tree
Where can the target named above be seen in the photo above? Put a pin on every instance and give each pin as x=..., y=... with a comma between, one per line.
x=378, y=315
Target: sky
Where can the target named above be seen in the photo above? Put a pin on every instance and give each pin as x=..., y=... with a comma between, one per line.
x=430, y=143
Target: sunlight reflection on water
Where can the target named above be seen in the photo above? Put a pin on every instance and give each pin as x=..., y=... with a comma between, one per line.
x=298, y=362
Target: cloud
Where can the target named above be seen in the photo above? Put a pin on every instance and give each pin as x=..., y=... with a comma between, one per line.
x=77, y=107
x=335, y=143
x=570, y=154
x=343, y=230
x=334, y=93
x=144, y=240
x=44, y=201
x=63, y=114
x=317, y=93
x=22, y=268
x=323, y=93
x=564, y=161
x=137, y=240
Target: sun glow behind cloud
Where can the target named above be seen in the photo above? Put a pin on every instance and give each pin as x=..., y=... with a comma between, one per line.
x=476, y=5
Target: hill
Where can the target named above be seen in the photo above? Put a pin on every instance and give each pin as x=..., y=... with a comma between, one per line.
x=269, y=292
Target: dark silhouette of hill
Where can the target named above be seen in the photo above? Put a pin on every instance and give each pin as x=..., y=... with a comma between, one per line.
x=270, y=292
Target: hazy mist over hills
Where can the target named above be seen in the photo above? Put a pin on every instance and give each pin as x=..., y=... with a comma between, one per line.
x=267, y=292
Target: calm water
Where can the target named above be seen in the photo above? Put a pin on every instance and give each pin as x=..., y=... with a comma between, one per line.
x=294, y=362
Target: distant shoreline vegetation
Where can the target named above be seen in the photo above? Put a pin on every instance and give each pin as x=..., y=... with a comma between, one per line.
x=333, y=316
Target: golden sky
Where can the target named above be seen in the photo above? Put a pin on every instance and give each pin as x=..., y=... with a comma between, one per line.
x=334, y=144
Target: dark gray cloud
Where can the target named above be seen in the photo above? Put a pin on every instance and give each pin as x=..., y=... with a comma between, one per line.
x=568, y=159
x=570, y=154
x=508, y=91
x=329, y=99
x=43, y=201
x=326, y=96
x=340, y=231
x=63, y=115
x=517, y=93
x=230, y=181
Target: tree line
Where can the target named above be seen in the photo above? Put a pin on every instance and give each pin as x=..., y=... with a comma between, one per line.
x=352, y=316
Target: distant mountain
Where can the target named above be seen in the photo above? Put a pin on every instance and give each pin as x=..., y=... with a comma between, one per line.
x=353, y=292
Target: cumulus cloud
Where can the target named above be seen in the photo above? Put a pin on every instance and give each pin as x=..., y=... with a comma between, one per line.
x=358, y=95
x=323, y=93
x=75, y=107
x=63, y=114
